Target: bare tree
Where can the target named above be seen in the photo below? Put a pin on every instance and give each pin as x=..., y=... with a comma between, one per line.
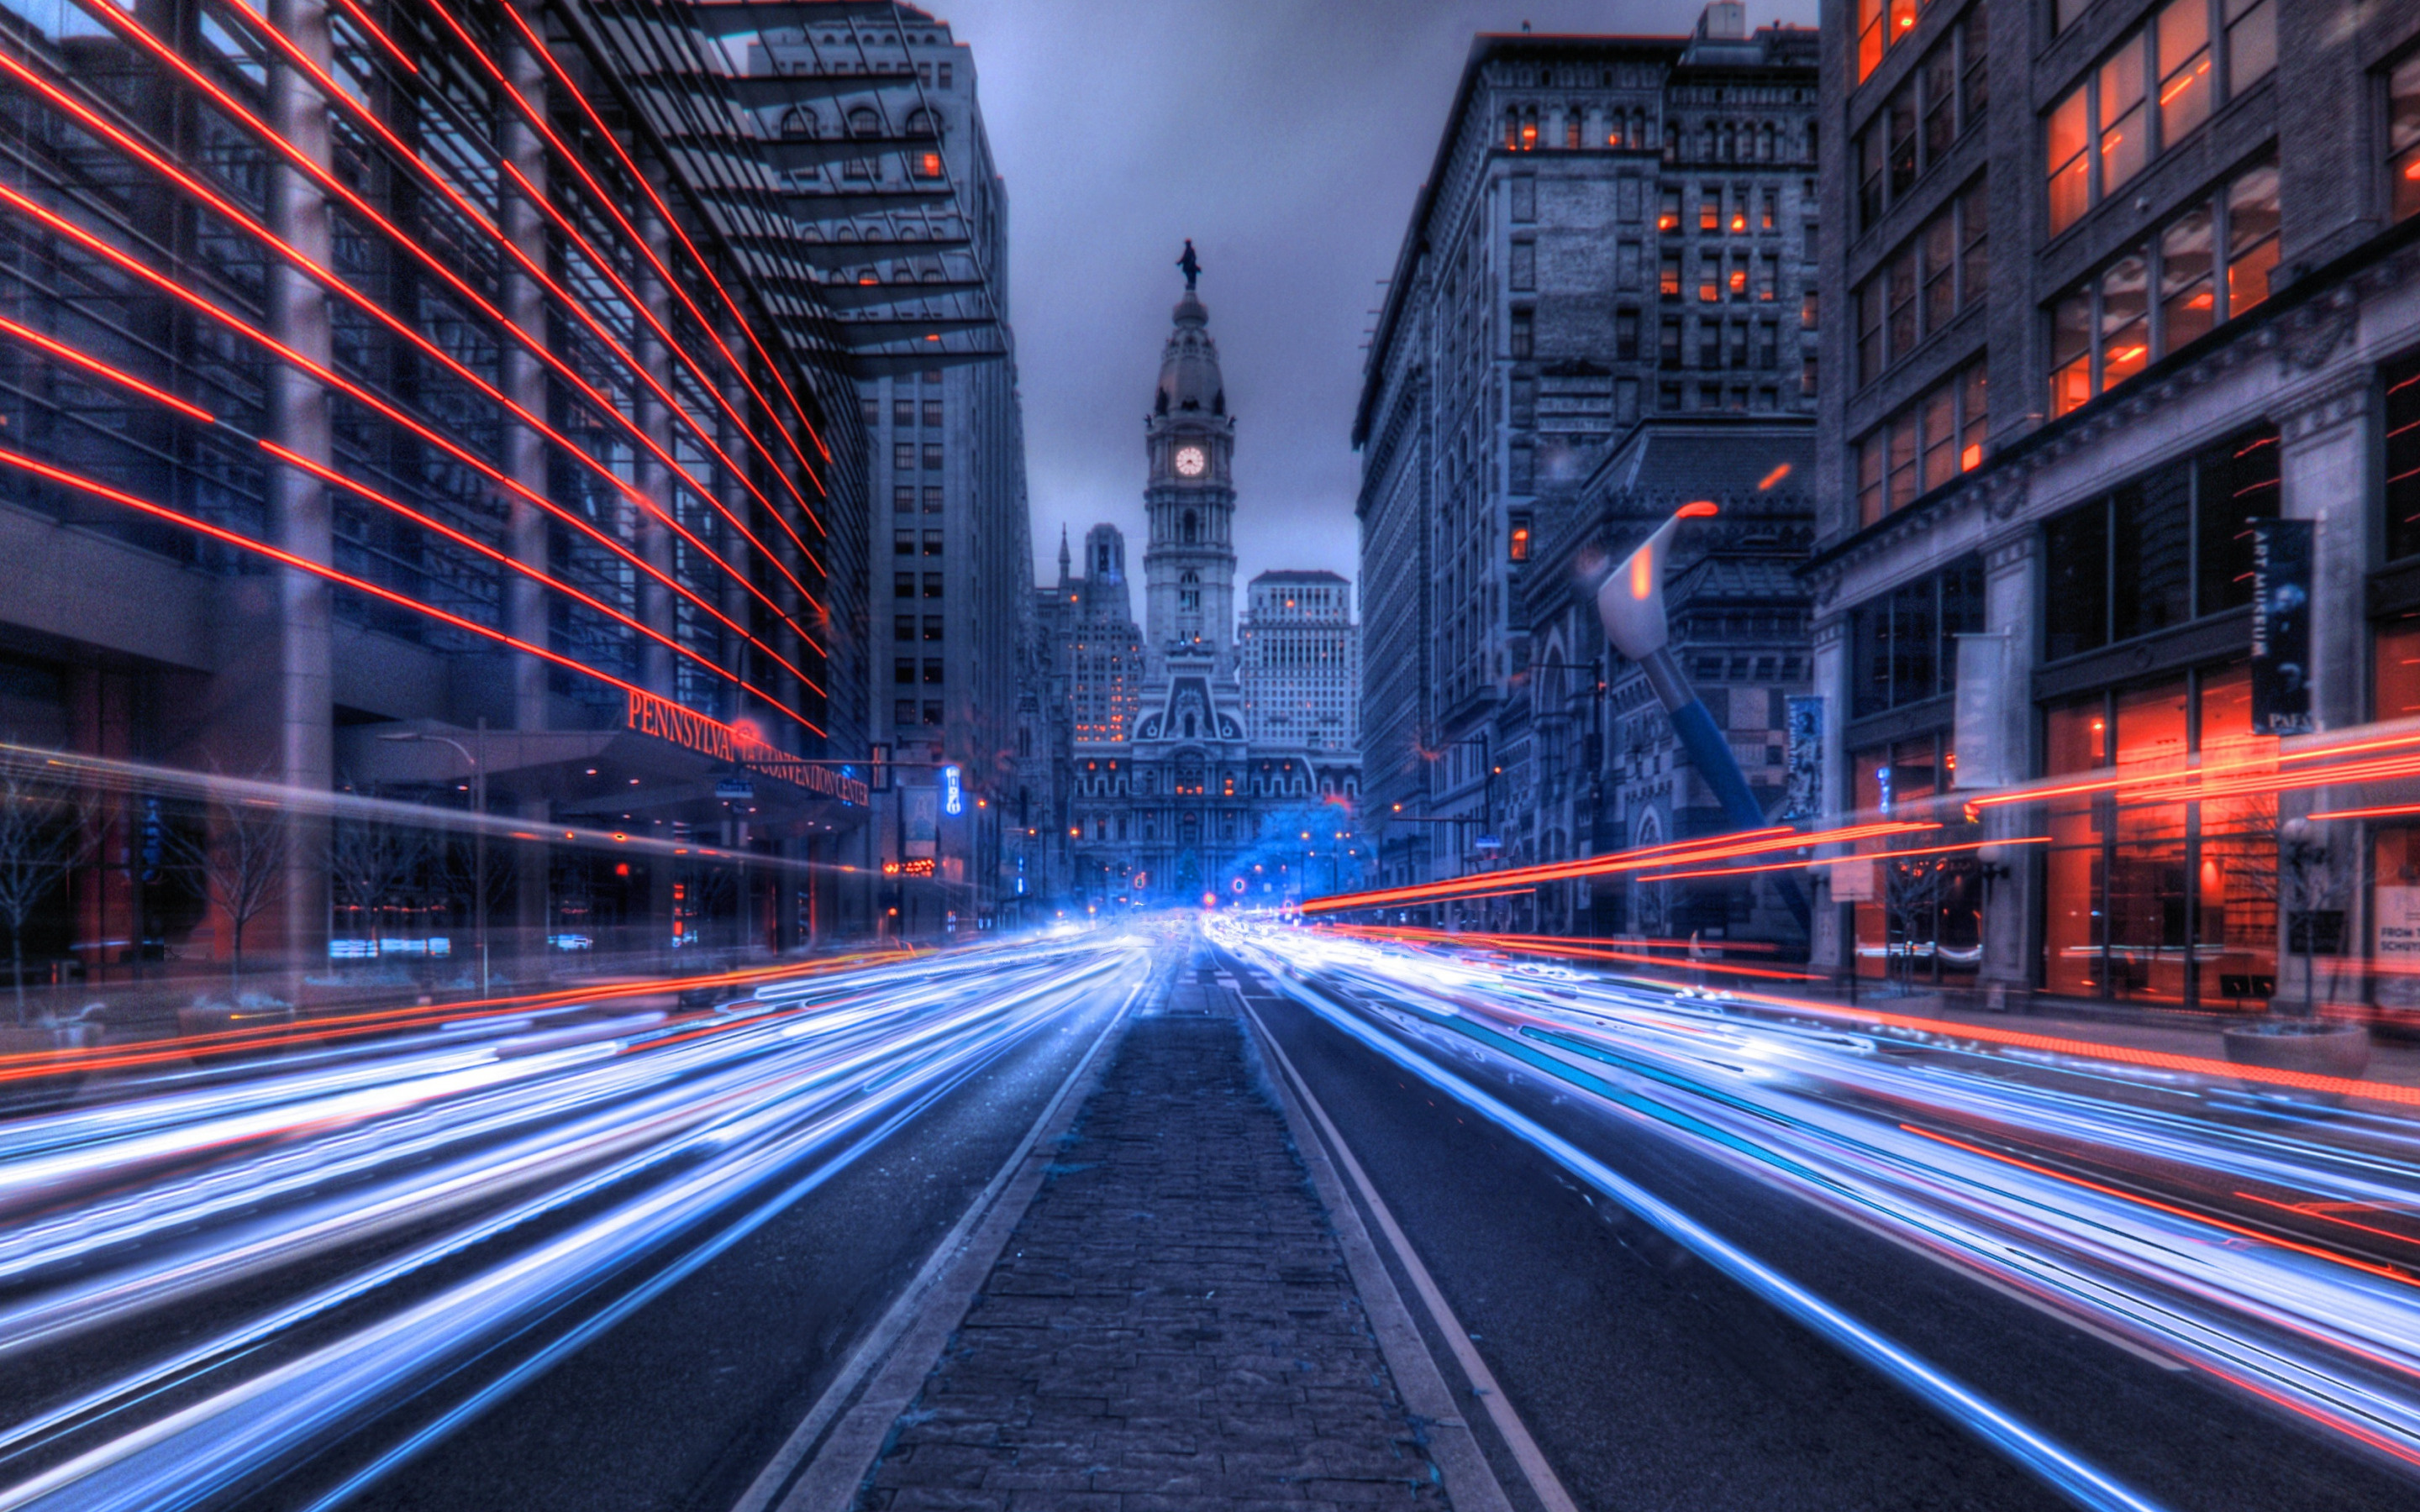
x=369, y=857
x=44, y=836
x=1914, y=889
x=242, y=862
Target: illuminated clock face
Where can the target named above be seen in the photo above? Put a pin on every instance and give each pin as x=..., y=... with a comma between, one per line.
x=1190, y=463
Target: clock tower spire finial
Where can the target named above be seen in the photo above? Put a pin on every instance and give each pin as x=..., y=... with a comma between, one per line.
x=1189, y=440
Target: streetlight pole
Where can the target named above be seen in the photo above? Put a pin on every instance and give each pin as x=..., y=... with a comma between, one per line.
x=479, y=765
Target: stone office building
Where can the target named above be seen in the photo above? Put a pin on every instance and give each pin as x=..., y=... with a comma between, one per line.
x=1614, y=229
x=2124, y=280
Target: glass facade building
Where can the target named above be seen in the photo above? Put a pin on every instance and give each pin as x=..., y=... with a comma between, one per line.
x=442, y=370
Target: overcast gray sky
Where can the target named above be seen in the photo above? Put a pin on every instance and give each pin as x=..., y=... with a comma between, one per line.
x=1287, y=138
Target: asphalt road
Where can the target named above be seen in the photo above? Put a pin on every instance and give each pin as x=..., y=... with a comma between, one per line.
x=679, y=1405
x=1648, y=1377
x=1653, y=1380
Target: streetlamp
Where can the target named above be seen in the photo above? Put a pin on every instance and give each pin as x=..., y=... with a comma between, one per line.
x=478, y=835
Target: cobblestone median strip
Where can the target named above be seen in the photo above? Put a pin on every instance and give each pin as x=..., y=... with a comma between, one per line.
x=1172, y=1323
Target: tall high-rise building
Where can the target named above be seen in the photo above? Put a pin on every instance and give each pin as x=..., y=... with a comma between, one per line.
x=1614, y=229
x=486, y=376
x=875, y=117
x=1299, y=655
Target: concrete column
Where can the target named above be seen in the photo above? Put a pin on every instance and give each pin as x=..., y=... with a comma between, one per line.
x=526, y=461
x=655, y=540
x=2324, y=439
x=1827, y=950
x=287, y=699
x=2011, y=589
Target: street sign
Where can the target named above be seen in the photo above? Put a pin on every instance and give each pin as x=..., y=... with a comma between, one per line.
x=735, y=787
x=1489, y=842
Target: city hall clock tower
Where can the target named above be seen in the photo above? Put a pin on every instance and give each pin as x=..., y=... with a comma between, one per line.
x=1189, y=562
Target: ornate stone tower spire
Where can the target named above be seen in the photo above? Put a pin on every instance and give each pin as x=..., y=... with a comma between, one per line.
x=1189, y=562
x=1064, y=560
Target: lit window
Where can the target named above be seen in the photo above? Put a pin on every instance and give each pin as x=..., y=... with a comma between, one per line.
x=2112, y=327
x=2151, y=91
x=2403, y=136
x=1518, y=542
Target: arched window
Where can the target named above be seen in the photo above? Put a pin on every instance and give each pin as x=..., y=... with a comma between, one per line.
x=920, y=123
x=1764, y=143
x=864, y=121
x=1192, y=527
x=1189, y=588
x=799, y=123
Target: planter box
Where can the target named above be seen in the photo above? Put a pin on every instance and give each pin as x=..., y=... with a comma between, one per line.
x=2313, y=1048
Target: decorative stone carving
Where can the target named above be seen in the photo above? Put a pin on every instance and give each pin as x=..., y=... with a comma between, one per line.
x=2318, y=410
x=2314, y=333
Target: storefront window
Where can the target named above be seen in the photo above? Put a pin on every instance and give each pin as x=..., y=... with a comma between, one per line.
x=2396, y=671
x=2160, y=902
x=1903, y=645
x=1923, y=925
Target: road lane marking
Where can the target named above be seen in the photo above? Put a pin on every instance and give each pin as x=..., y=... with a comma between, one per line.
x=1543, y=1483
x=899, y=1352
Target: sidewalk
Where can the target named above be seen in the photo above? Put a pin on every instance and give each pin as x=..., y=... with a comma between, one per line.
x=2393, y=1058
x=1172, y=1324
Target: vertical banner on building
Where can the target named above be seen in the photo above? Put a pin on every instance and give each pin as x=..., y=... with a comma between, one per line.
x=1804, y=755
x=924, y=819
x=2396, y=941
x=2281, y=626
x=1978, y=713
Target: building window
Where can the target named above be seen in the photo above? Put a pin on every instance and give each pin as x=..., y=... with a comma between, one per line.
x=1668, y=345
x=1625, y=334
x=932, y=542
x=2163, y=549
x=933, y=673
x=1523, y=334
x=932, y=411
x=903, y=671
x=1768, y=346
x=932, y=500
x=933, y=713
x=1881, y=25
x=1710, y=207
x=2402, y=490
x=903, y=412
x=1668, y=283
x=903, y=456
x=903, y=627
x=1943, y=268
x=1924, y=445
x=2110, y=328
x=1903, y=646
x=1768, y=212
x=1667, y=213
x=1625, y=265
x=1768, y=276
x=932, y=585
x=2160, y=901
x=903, y=711
x=2403, y=137
x=2106, y=130
x=1523, y=272
x=932, y=458
x=1525, y=197
x=903, y=500
x=903, y=585
x=1709, y=277
x=902, y=543
x=933, y=627
x=1517, y=540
